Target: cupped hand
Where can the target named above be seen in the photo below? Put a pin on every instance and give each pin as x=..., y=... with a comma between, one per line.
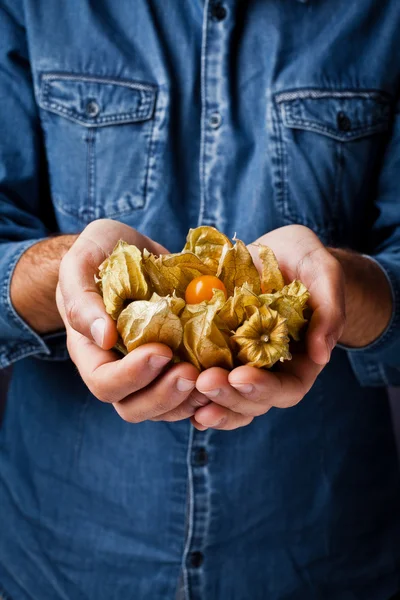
x=246, y=392
x=138, y=385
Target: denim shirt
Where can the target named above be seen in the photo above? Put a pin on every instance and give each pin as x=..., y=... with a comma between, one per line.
x=168, y=114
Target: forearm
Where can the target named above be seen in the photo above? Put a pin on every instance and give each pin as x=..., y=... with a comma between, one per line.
x=34, y=283
x=368, y=299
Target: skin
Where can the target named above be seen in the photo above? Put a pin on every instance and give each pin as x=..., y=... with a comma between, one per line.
x=141, y=386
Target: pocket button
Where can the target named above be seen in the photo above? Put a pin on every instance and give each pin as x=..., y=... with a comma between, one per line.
x=343, y=122
x=92, y=109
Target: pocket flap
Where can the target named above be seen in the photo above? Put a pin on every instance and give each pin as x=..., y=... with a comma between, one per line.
x=342, y=115
x=97, y=101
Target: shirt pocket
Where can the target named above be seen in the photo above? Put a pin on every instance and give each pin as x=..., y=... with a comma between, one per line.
x=98, y=137
x=328, y=146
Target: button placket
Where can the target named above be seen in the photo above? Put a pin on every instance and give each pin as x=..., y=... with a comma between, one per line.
x=215, y=94
x=218, y=11
x=199, y=508
x=201, y=457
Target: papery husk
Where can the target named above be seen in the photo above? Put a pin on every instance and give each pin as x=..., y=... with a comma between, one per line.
x=145, y=321
x=291, y=303
x=169, y=273
x=236, y=268
x=271, y=276
x=122, y=278
x=217, y=301
x=233, y=312
x=207, y=243
x=262, y=339
x=248, y=326
x=204, y=344
x=176, y=304
x=120, y=346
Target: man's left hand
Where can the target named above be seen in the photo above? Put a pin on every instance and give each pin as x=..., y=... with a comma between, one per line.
x=246, y=392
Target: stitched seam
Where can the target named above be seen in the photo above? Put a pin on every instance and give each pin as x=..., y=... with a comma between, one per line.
x=286, y=210
x=190, y=512
x=150, y=159
x=315, y=93
x=344, y=136
x=279, y=168
x=204, y=89
x=134, y=115
x=8, y=356
x=91, y=171
x=338, y=184
x=79, y=213
x=135, y=85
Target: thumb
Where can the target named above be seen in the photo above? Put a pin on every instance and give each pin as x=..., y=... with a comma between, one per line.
x=78, y=299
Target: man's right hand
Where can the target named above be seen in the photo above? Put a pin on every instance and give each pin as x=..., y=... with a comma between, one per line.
x=136, y=384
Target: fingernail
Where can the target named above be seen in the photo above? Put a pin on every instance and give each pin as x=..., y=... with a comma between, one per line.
x=158, y=362
x=219, y=423
x=243, y=388
x=212, y=393
x=199, y=426
x=97, y=330
x=184, y=385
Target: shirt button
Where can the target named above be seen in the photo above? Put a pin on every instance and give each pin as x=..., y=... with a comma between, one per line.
x=201, y=457
x=215, y=120
x=218, y=11
x=196, y=559
x=343, y=122
x=92, y=109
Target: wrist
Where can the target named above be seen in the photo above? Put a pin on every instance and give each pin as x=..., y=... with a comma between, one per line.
x=34, y=282
x=368, y=298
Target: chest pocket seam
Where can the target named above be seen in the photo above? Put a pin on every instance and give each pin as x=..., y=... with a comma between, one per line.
x=143, y=111
x=318, y=111
x=299, y=110
x=114, y=102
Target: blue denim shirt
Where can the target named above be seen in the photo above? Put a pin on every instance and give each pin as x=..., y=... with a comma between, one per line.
x=165, y=115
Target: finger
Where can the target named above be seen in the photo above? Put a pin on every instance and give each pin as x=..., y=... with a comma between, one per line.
x=84, y=307
x=214, y=384
x=322, y=274
x=218, y=417
x=197, y=425
x=108, y=376
x=283, y=388
x=186, y=409
x=326, y=286
x=163, y=396
x=111, y=378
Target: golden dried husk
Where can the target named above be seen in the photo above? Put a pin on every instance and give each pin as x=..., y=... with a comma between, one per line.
x=145, y=294
x=122, y=278
x=207, y=243
x=143, y=322
x=263, y=339
x=172, y=273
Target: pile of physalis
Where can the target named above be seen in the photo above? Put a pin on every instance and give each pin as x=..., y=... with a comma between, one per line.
x=208, y=303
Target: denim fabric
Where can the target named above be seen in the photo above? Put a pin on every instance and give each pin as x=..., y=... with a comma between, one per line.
x=168, y=114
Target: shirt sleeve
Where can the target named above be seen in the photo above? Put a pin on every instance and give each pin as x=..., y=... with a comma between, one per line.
x=25, y=210
x=378, y=364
